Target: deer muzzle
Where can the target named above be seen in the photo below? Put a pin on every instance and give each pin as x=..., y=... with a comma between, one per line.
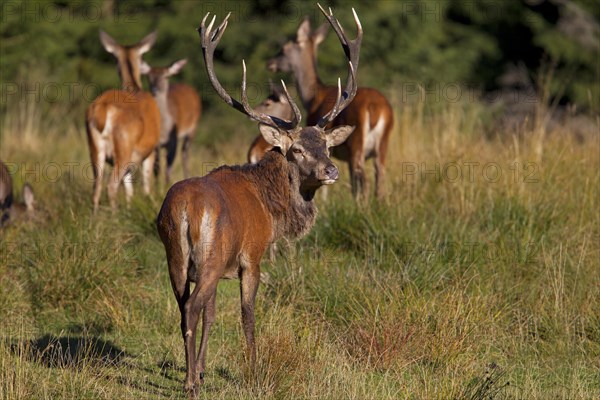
x=331, y=174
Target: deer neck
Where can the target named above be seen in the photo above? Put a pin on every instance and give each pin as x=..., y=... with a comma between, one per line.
x=307, y=81
x=302, y=212
x=280, y=184
x=131, y=80
x=166, y=119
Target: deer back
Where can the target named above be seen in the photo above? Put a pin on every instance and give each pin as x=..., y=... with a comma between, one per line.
x=135, y=114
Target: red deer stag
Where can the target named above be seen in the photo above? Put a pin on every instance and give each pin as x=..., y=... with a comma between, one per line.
x=10, y=211
x=370, y=112
x=219, y=226
x=180, y=110
x=275, y=104
x=123, y=126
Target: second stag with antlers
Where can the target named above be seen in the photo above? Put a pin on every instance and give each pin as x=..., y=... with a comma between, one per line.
x=219, y=226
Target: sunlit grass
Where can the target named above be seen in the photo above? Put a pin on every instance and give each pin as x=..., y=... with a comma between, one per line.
x=483, y=286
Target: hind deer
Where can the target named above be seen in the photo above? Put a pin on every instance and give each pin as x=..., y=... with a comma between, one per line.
x=275, y=104
x=219, y=226
x=123, y=126
x=180, y=110
x=370, y=112
x=10, y=211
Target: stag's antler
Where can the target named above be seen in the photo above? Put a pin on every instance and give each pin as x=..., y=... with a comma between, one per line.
x=210, y=40
x=352, y=51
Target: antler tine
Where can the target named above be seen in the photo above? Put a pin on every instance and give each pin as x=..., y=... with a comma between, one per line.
x=351, y=47
x=292, y=103
x=210, y=40
x=258, y=116
x=342, y=100
x=352, y=51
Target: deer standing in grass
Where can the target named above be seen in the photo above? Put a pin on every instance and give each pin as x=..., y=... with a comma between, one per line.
x=219, y=226
x=276, y=105
x=10, y=211
x=180, y=110
x=123, y=126
x=370, y=112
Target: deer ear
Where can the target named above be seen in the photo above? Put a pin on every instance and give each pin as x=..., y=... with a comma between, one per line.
x=275, y=137
x=146, y=43
x=176, y=67
x=337, y=135
x=28, y=197
x=303, y=33
x=108, y=42
x=145, y=68
x=320, y=34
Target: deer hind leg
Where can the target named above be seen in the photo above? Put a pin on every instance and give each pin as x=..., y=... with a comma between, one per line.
x=357, y=174
x=98, y=157
x=147, y=166
x=185, y=147
x=122, y=154
x=156, y=167
x=128, y=184
x=250, y=277
x=380, y=157
x=201, y=295
x=116, y=177
x=171, y=152
x=178, y=259
x=208, y=317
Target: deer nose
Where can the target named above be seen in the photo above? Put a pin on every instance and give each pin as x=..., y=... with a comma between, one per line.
x=331, y=172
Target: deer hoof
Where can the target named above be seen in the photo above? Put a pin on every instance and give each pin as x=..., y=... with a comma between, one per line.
x=191, y=390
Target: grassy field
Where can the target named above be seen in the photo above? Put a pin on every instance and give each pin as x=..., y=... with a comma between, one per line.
x=477, y=278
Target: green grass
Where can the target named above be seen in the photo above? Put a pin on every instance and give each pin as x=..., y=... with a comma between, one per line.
x=468, y=289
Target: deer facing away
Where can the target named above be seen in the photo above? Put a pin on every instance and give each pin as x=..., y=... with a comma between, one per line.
x=219, y=226
x=10, y=211
x=123, y=126
x=180, y=109
x=369, y=112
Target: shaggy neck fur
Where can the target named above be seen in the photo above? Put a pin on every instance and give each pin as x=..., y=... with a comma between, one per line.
x=166, y=120
x=278, y=183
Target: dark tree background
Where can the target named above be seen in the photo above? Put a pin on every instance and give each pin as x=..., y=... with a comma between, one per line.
x=477, y=44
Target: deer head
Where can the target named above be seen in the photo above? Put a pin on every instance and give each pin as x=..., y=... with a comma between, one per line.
x=9, y=210
x=129, y=58
x=307, y=148
x=158, y=78
x=301, y=50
